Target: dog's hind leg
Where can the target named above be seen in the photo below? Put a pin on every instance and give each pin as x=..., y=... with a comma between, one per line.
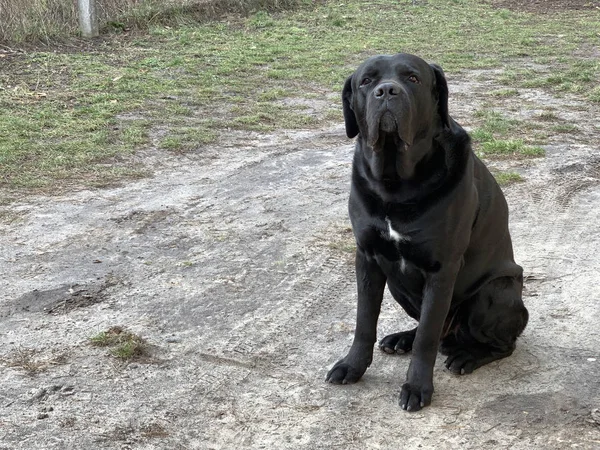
x=489, y=324
x=398, y=342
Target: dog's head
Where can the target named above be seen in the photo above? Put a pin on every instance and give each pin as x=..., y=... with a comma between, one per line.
x=395, y=98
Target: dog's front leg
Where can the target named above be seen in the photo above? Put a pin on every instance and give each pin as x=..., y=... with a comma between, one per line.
x=437, y=295
x=370, y=281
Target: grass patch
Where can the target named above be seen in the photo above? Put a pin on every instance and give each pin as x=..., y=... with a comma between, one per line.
x=154, y=430
x=508, y=178
x=504, y=93
x=565, y=128
x=594, y=95
x=33, y=361
x=566, y=74
x=493, y=137
x=123, y=344
x=75, y=118
x=548, y=116
x=495, y=123
x=513, y=147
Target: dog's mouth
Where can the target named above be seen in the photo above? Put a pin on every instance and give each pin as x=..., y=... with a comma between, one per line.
x=386, y=127
x=388, y=122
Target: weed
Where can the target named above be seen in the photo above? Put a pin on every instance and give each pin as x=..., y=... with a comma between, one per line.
x=33, y=361
x=504, y=93
x=124, y=344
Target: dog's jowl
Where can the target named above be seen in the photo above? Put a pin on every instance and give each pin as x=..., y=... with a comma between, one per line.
x=430, y=222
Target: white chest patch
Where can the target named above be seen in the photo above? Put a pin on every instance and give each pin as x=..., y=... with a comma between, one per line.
x=394, y=235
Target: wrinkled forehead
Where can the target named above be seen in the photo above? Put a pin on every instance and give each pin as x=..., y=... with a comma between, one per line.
x=385, y=65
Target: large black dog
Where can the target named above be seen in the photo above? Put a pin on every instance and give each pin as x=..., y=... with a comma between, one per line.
x=430, y=221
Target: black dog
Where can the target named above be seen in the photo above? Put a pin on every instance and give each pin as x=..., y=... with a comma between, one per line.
x=430, y=221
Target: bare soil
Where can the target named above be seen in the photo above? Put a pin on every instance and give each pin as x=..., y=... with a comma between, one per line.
x=237, y=270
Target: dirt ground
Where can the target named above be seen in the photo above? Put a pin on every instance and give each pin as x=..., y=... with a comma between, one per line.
x=234, y=264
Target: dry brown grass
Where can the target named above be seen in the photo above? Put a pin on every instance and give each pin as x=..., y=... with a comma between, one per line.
x=47, y=20
x=33, y=361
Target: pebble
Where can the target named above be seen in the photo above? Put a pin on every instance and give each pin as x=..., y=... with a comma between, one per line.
x=67, y=390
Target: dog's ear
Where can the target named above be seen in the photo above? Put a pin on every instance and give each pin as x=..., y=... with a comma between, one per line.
x=349, y=116
x=441, y=92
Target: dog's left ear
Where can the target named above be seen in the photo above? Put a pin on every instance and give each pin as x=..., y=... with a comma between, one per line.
x=349, y=116
x=441, y=92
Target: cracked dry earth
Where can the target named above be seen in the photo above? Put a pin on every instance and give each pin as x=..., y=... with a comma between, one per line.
x=235, y=265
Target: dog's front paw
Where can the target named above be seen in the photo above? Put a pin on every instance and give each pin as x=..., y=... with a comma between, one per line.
x=415, y=396
x=344, y=373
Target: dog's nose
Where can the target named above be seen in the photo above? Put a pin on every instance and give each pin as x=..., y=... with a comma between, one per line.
x=386, y=90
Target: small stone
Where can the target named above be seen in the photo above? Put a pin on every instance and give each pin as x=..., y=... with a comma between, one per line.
x=39, y=395
x=67, y=390
x=42, y=416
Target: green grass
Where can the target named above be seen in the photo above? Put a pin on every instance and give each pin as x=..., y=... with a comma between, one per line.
x=123, y=344
x=503, y=93
x=512, y=147
x=548, y=116
x=508, y=178
x=565, y=74
x=565, y=128
x=71, y=119
x=494, y=137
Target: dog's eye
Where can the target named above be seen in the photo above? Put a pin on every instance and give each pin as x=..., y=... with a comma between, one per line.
x=365, y=81
x=414, y=79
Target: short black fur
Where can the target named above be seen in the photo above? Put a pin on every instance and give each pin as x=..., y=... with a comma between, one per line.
x=430, y=222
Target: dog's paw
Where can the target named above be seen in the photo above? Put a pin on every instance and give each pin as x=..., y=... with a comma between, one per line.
x=398, y=342
x=461, y=362
x=415, y=396
x=344, y=373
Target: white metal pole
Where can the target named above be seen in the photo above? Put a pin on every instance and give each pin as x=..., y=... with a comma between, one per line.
x=88, y=21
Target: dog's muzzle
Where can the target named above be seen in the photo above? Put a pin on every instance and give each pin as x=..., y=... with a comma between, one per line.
x=388, y=107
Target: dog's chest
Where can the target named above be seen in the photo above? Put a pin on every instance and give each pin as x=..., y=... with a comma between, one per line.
x=415, y=243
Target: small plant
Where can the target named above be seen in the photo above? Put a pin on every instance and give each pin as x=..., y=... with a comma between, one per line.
x=508, y=178
x=33, y=361
x=124, y=344
x=504, y=93
x=548, y=116
x=565, y=128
